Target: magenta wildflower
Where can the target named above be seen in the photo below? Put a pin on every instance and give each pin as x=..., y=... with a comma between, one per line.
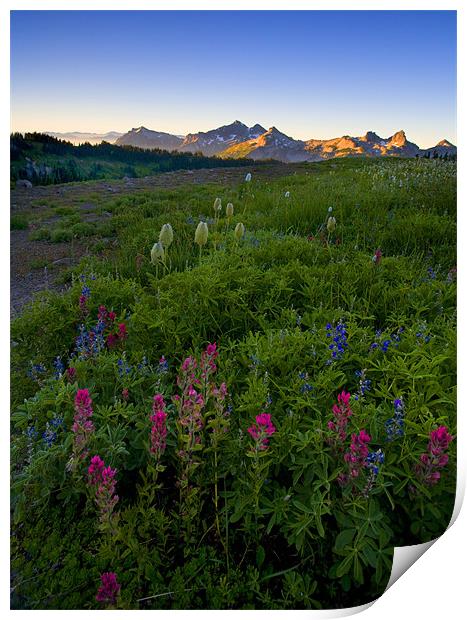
x=122, y=332
x=85, y=294
x=190, y=407
x=125, y=394
x=342, y=414
x=219, y=395
x=95, y=470
x=439, y=441
x=196, y=390
x=102, y=478
x=111, y=341
x=208, y=358
x=211, y=350
x=71, y=374
x=434, y=458
x=220, y=392
x=159, y=426
x=82, y=427
x=159, y=402
x=83, y=305
x=83, y=404
x=189, y=365
x=108, y=589
x=356, y=456
x=102, y=314
x=262, y=430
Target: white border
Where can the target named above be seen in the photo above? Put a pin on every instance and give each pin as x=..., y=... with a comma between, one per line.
x=434, y=585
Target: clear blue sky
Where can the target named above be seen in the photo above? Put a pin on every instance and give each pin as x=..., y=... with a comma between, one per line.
x=312, y=74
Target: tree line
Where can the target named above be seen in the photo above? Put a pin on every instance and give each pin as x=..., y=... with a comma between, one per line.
x=65, y=169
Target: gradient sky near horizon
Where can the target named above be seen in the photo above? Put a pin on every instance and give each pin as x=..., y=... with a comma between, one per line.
x=312, y=74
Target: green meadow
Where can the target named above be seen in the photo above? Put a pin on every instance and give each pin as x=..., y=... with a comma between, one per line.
x=277, y=469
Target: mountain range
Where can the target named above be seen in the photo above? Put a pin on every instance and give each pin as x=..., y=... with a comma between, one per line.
x=238, y=140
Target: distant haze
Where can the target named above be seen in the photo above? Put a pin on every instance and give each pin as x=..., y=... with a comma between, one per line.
x=78, y=137
x=317, y=74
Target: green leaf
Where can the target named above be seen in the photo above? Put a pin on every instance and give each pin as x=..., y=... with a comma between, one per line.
x=346, y=583
x=302, y=507
x=357, y=569
x=260, y=556
x=343, y=539
x=344, y=566
x=319, y=525
x=371, y=556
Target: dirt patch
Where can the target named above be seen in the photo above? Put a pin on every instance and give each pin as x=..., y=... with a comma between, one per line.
x=36, y=265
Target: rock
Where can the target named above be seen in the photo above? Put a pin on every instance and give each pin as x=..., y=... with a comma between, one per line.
x=24, y=183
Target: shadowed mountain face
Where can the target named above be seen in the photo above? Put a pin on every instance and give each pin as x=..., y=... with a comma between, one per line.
x=148, y=139
x=442, y=148
x=238, y=140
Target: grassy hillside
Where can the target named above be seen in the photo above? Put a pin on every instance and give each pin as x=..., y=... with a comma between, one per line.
x=278, y=468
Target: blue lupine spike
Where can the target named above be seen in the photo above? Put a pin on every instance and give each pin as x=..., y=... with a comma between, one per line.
x=339, y=339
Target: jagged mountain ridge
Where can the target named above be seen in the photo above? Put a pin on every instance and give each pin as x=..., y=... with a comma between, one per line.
x=238, y=140
x=370, y=144
x=216, y=140
x=279, y=146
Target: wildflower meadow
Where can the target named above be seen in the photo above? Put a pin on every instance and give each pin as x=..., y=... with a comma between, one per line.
x=247, y=402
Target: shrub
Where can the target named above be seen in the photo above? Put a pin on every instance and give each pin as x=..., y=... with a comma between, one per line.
x=18, y=222
x=41, y=234
x=83, y=229
x=61, y=235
